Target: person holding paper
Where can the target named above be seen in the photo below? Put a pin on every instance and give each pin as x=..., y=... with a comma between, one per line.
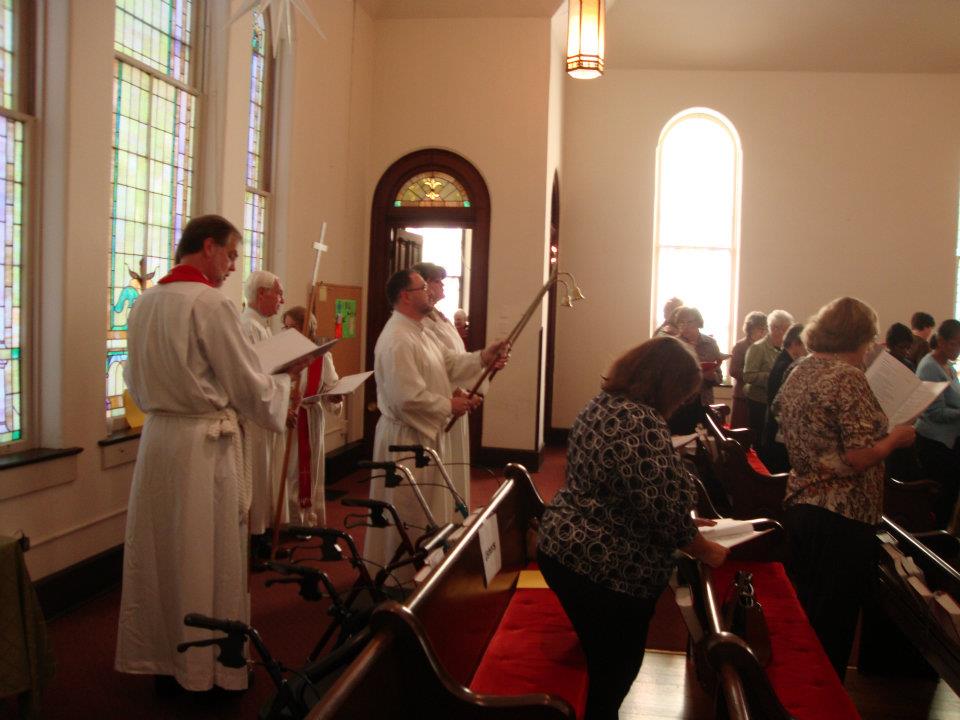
x=772, y=451
x=193, y=372
x=939, y=426
x=754, y=328
x=306, y=472
x=757, y=365
x=443, y=331
x=263, y=449
x=921, y=325
x=415, y=394
x=837, y=437
x=689, y=321
x=607, y=539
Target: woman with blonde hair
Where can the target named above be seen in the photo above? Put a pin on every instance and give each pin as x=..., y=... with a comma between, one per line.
x=608, y=537
x=837, y=438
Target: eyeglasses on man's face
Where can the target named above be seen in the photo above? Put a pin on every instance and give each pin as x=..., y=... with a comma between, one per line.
x=416, y=289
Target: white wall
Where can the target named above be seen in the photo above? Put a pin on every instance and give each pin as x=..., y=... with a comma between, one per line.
x=850, y=186
x=480, y=88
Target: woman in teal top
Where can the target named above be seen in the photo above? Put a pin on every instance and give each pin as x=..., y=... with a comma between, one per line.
x=939, y=426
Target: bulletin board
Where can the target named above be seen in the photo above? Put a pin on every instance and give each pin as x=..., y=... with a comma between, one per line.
x=339, y=312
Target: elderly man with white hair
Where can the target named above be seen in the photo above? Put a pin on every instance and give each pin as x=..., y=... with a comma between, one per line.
x=757, y=366
x=263, y=449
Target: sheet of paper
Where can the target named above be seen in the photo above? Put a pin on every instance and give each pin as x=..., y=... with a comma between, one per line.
x=924, y=394
x=285, y=348
x=489, y=536
x=891, y=382
x=901, y=394
x=730, y=533
x=679, y=441
x=349, y=383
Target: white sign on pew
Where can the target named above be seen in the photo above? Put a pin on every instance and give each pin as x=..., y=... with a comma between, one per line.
x=489, y=536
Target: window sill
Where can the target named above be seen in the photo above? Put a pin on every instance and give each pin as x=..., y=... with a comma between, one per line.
x=119, y=448
x=28, y=471
x=120, y=436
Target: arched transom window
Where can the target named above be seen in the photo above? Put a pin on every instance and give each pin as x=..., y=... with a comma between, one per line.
x=697, y=219
x=432, y=189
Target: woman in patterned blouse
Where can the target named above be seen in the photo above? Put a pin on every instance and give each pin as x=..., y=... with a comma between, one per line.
x=837, y=438
x=608, y=537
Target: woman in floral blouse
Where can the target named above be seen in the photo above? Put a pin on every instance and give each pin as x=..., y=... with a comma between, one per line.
x=608, y=537
x=837, y=438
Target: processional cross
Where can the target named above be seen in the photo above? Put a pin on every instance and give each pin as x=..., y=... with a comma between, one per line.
x=320, y=248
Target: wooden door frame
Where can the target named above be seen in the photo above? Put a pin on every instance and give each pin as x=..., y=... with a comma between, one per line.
x=552, y=435
x=384, y=216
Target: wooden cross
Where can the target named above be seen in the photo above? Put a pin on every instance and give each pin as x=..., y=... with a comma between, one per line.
x=320, y=248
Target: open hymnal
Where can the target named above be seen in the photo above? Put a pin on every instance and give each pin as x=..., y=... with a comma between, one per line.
x=947, y=613
x=286, y=348
x=729, y=532
x=901, y=394
x=343, y=386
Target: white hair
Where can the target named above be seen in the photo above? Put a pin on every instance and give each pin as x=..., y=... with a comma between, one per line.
x=460, y=314
x=258, y=279
x=780, y=318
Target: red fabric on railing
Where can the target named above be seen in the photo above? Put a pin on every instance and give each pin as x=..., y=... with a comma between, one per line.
x=799, y=670
x=534, y=650
x=756, y=463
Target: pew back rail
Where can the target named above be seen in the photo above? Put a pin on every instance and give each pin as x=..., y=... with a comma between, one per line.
x=425, y=653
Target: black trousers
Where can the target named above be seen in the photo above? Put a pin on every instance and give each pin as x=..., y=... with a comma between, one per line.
x=832, y=565
x=612, y=628
x=942, y=464
x=757, y=417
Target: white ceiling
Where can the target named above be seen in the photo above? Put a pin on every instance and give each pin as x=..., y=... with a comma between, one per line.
x=811, y=35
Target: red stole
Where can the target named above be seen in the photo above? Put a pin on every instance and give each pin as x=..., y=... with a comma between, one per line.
x=185, y=273
x=305, y=476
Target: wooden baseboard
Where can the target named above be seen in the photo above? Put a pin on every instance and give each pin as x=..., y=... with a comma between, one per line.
x=343, y=461
x=496, y=458
x=557, y=437
x=69, y=588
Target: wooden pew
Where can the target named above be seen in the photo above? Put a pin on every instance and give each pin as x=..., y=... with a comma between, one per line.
x=882, y=649
x=425, y=654
x=798, y=683
x=750, y=493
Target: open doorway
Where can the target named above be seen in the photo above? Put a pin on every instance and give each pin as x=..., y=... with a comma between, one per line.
x=431, y=206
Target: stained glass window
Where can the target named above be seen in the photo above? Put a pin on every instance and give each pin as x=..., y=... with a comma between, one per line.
x=13, y=136
x=698, y=208
x=153, y=134
x=432, y=189
x=257, y=198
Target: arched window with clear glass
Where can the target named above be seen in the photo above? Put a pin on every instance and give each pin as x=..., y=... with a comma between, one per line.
x=697, y=219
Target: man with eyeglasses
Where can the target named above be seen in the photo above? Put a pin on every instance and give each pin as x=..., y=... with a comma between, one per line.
x=415, y=378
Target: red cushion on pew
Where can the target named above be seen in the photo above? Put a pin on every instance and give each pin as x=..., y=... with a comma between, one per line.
x=534, y=650
x=756, y=463
x=799, y=670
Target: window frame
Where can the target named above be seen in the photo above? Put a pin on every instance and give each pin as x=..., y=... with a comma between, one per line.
x=264, y=188
x=734, y=249
x=196, y=88
x=28, y=49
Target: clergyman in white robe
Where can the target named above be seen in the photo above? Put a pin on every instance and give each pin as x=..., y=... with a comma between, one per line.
x=457, y=460
x=415, y=379
x=193, y=372
x=313, y=413
x=262, y=448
